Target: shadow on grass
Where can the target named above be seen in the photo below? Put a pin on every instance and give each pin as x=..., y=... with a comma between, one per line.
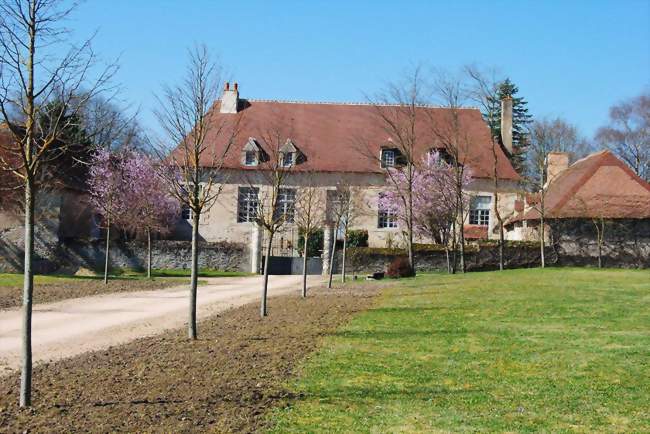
x=407, y=309
x=398, y=334
x=425, y=393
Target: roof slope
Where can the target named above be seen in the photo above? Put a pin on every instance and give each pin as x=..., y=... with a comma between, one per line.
x=597, y=186
x=345, y=137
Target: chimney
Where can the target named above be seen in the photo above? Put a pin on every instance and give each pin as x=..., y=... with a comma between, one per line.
x=229, y=99
x=556, y=163
x=506, y=123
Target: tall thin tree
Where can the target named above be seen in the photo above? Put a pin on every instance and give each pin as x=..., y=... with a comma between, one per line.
x=38, y=66
x=201, y=139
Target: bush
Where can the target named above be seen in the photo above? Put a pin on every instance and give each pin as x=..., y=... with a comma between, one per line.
x=358, y=238
x=400, y=267
x=314, y=246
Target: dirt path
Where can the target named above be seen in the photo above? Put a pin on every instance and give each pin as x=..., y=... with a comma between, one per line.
x=70, y=327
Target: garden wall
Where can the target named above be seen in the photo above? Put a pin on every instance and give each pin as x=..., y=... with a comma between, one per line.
x=571, y=249
x=69, y=256
x=366, y=260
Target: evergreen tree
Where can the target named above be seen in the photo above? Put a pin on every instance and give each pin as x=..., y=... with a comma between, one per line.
x=520, y=121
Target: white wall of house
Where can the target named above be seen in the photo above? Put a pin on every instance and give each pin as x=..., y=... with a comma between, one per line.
x=220, y=223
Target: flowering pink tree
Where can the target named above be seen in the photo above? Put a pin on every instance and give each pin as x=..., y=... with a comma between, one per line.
x=107, y=190
x=149, y=206
x=434, y=200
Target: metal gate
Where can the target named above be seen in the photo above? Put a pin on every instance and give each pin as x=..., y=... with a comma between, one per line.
x=285, y=257
x=293, y=265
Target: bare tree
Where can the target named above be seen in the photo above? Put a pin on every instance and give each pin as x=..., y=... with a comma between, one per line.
x=398, y=111
x=483, y=90
x=275, y=202
x=454, y=142
x=33, y=74
x=202, y=138
x=548, y=135
x=309, y=217
x=628, y=133
x=340, y=210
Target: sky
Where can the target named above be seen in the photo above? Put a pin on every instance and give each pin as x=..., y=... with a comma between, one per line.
x=569, y=58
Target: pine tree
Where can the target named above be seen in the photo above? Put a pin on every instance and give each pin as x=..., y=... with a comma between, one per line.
x=520, y=121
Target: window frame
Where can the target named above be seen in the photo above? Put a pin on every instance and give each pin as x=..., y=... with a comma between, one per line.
x=386, y=219
x=285, y=204
x=250, y=202
x=253, y=161
x=479, y=214
x=283, y=159
x=384, y=163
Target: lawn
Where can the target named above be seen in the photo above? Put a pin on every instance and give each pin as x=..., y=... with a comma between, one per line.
x=522, y=350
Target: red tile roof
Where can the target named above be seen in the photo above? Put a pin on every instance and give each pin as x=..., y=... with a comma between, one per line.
x=599, y=185
x=338, y=137
x=475, y=232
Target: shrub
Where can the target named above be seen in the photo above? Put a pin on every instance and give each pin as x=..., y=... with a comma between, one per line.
x=314, y=246
x=400, y=267
x=358, y=238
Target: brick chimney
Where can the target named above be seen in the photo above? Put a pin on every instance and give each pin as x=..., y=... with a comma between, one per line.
x=230, y=99
x=506, y=123
x=556, y=163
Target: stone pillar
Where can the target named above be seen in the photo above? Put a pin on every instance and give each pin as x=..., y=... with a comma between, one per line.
x=256, y=248
x=327, y=248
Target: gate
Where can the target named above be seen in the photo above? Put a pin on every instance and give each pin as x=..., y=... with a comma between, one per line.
x=282, y=265
x=285, y=257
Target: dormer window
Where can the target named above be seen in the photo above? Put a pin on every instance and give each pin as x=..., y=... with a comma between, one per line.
x=287, y=159
x=388, y=158
x=250, y=159
x=288, y=154
x=251, y=153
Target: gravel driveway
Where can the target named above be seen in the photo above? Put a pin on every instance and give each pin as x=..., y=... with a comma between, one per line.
x=70, y=327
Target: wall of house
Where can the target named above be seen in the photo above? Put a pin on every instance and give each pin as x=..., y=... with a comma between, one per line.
x=219, y=223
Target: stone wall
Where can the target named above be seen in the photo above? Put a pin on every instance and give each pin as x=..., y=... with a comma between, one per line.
x=367, y=260
x=69, y=256
x=626, y=243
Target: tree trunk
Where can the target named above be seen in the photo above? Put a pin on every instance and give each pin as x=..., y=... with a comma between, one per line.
x=149, y=254
x=108, y=248
x=263, y=309
x=331, y=271
x=28, y=291
x=541, y=240
x=454, y=247
x=501, y=244
x=448, y=261
x=304, y=267
x=462, y=237
x=345, y=247
x=194, y=275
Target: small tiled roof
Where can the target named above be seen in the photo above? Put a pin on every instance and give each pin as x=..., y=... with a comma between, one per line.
x=336, y=137
x=475, y=232
x=597, y=186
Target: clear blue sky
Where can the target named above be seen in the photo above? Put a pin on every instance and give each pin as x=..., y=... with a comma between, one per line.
x=569, y=58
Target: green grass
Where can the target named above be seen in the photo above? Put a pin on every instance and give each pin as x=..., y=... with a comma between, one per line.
x=523, y=350
x=8, y=279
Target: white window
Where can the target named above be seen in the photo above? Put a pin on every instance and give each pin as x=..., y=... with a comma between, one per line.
x=387, y=158
x=287, y=159
x=386, y=218
x=186, y=212
x=247, y=202
x=250, y=158
x=285, y=204
x=479, y=211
